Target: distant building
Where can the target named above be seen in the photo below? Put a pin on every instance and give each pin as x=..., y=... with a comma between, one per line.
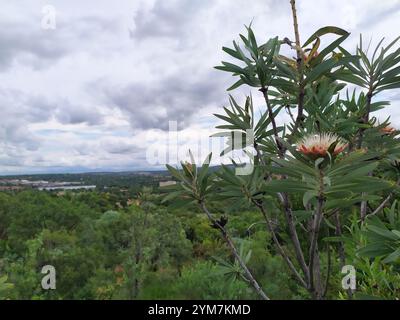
x=58, y=187
x=10, y=188
x=167, y=183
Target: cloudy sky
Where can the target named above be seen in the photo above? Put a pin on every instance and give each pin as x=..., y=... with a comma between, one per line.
x=98, y=92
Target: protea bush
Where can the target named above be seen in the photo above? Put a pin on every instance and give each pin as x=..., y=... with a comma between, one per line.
x=324, y=183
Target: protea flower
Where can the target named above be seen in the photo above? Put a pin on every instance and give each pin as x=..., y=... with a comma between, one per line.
x=189, y=167
x=388, y=130
x=309, y=57
x=318, y=145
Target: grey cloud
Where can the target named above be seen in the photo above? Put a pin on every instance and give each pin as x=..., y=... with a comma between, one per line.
x=379, y=16
x=176, y=19
x=164, y=20
x=18, y=111
x=28, y=44
x=119, y=148
x=175, y=98
x=68, y=113
x=116, y=146
x=17, y=134
x=11, y=162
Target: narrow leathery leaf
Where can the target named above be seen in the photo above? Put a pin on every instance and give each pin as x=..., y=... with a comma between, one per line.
x=386, y=49
x=325, y=67
x=172, y=196
x=324, y=31
x=222, y=134
x=302, y=215
x=365, y=59
x=388, y=80
x=375, y=221
x=329, y=49
x=314, y=50
x=236, y=85
x=180, y=203
x=390, y=74
x=350, y=78
x=389, y=87
x=308, y=196
x=363, y=170
x=285, y=186
x=241, y=53
x=383, y=232
x=232, y=53
x=204, y=168
x=230, y=67
x=396, y=233
x=376, y=50
x=252, y=42
x=285, y=69
x=374, y=250
x=393, y=257
x=174, y=172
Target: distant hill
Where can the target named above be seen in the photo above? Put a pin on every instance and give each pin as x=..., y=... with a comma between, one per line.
x=126, y=179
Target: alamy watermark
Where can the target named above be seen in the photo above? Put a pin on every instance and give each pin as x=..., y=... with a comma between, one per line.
x=172, y=149
x=349, y=280
x=49, y=280
x=49, y=18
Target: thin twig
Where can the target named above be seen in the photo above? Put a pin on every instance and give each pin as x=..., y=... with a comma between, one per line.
x=300, y=65
x=381, y=206
x=338, y=233
x=278, y=245
x=328, y=271
x=235, y=252
x=342, y=257
x=384, y=202
x=281, y=149
x=289, y=112
x=293, y=235
x=314, y=239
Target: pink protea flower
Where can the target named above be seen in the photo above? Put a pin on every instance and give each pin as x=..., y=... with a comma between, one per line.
x=388, y=130
x=317, y=145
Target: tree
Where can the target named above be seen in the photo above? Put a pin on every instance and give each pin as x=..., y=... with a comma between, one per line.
x=332, y=159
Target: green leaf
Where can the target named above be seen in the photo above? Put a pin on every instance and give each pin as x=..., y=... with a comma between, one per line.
x=204, y=171
x=393, y=257
x=174, y=172
x=397, y=233
x=308, y=196
x=302, y=215
x=230, y=67
x=285, y=69
x=236, y=85
x=364, y=170
x=383, y=232
x=323, y=31
x=329, y=49
x=172, y=196
x=348, y=76
x=232, y=53
x=326, y=66
x=286, y=186
x=374, y=250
